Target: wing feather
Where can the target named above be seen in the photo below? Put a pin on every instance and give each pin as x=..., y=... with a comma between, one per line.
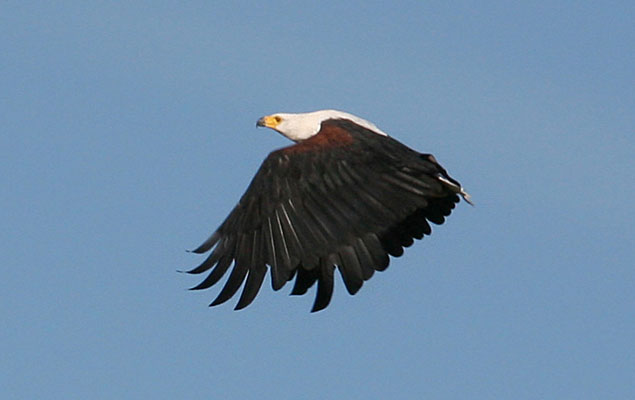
x=256, y=273
x=292, y=240
x=350, y=269
x=211, y=260
x=304, y=280
x=236, y=278
x=281, y=244
x=325, y=285
x=206, y=245
x=311, y=242
x=238, y=273
x=219, y=270
x=379, y=254
x=366, y=261
x=277, y=274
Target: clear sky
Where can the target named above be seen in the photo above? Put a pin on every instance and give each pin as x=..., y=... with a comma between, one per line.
x=128, y=134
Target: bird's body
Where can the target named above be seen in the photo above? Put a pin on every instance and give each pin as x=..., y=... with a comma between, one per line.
x=345, y=196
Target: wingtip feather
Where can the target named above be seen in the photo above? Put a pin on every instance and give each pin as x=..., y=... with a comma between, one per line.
x=206, y=245
x=466, y=196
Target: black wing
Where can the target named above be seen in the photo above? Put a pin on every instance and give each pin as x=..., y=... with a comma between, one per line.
x=312, y=208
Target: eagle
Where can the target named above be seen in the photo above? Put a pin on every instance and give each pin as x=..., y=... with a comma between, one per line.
x=344, y=196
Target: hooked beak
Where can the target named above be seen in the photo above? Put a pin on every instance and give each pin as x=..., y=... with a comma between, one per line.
x=269, y=121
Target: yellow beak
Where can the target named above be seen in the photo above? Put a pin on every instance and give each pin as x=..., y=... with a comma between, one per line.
x=268, y=121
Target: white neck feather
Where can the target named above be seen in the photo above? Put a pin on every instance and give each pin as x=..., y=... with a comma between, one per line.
x=301, y=126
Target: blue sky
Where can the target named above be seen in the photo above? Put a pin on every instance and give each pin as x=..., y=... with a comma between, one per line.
x=128, y=134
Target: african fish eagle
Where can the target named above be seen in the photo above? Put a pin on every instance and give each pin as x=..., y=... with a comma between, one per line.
x=345, y=195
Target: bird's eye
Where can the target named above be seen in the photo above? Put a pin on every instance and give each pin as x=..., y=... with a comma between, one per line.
x=277, y=119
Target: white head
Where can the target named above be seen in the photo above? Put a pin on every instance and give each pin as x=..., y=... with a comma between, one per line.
x=298, y=127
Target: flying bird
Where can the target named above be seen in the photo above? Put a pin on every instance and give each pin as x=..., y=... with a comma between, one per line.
x=345, y=196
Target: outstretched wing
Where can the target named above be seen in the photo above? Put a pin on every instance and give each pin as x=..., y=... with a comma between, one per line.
x=346, y=198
